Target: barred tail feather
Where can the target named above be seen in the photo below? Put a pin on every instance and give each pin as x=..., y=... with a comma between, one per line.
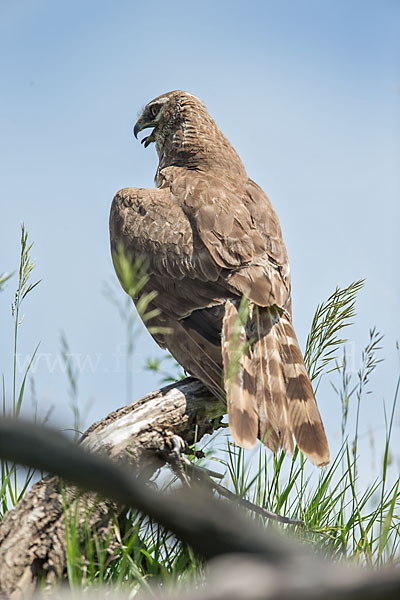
x=269, y=393
x=239, y=381
x=304, y=418
x=271, y=389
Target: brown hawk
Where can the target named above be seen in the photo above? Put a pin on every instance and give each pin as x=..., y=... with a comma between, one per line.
x=211, y=237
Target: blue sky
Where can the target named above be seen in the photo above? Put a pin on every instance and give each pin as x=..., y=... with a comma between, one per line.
x=308, y=92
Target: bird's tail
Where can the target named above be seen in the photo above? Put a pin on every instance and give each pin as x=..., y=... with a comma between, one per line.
x=268, y=389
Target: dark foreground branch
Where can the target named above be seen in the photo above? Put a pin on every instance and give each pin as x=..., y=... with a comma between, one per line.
x=32, y=535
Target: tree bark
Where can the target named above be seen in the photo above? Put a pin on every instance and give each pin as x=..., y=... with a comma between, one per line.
x=33, y=535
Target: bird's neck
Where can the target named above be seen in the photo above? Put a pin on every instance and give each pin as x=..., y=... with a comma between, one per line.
x=196, y=143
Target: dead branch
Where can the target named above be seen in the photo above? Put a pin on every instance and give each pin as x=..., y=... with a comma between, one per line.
x=32, y=535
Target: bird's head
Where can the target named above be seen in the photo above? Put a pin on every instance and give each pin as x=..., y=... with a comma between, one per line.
x=162, y=114
x=184, y=133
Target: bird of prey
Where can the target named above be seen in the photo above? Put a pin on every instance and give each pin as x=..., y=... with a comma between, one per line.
x=210, y=238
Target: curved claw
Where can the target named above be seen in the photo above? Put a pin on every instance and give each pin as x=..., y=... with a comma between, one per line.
x=143, y=141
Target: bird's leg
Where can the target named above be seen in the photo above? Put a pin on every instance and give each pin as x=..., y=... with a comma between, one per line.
x=175, y=458
x=181, y=465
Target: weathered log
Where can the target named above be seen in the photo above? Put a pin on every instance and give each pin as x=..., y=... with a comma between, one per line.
x=32, y=535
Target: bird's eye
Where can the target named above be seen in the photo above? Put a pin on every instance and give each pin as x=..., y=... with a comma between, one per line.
x=154, y=110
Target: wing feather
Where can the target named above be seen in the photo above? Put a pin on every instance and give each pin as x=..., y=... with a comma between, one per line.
x=239, y=228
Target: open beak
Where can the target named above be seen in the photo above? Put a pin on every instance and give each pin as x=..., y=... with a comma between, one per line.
x=139, y=126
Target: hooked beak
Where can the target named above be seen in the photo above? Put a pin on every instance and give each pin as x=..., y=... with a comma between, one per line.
x=139, y=126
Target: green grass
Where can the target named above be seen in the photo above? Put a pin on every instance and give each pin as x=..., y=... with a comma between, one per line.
x=144, y=553
x=343, y=517
x=15, y=481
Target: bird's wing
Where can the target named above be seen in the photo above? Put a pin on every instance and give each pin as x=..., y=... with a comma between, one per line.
x=150, y=223
x=240, y=230
x=266, y=280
